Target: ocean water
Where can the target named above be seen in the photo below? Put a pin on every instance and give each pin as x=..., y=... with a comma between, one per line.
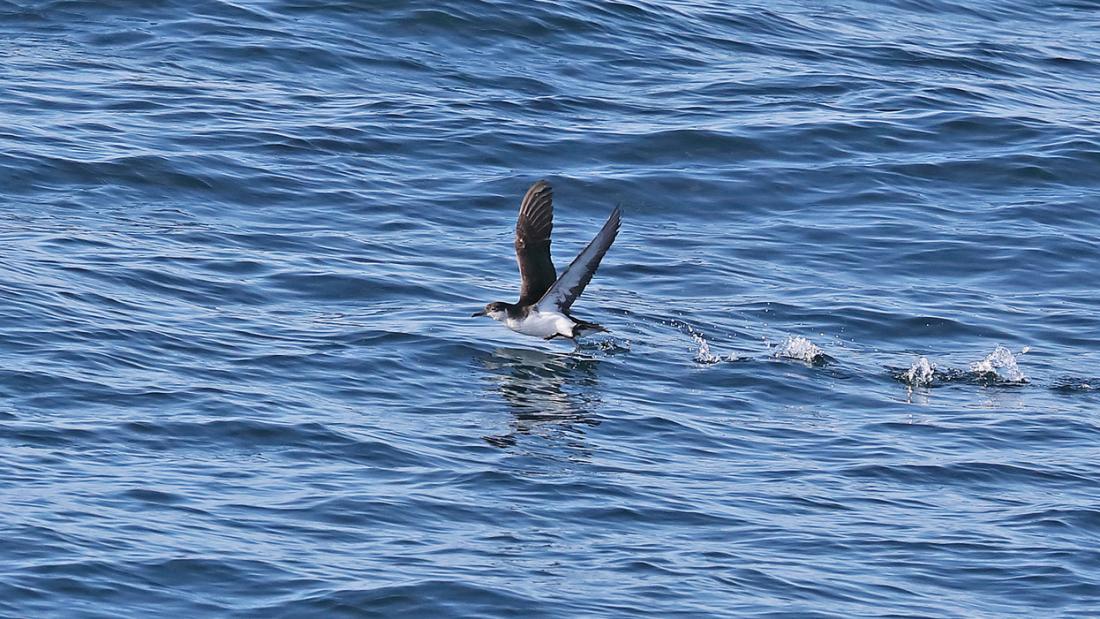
x=853, y=367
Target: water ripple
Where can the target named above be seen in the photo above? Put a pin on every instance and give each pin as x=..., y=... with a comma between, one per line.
x=242, y=242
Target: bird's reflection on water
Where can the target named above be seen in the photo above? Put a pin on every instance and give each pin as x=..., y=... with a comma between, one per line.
x=548, y=393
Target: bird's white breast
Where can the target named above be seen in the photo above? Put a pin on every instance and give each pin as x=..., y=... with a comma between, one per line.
x=542, y=324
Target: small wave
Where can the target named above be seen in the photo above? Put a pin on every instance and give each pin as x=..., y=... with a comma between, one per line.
x=999, y=366
x=800, y=349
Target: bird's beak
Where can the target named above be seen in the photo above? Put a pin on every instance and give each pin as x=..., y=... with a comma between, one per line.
x=476, y=314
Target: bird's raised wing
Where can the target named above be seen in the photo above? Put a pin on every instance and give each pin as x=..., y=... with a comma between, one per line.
x=571, y=284
x=536, y=220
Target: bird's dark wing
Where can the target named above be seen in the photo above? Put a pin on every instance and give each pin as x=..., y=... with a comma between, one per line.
x=536, y=220
x=571, y=284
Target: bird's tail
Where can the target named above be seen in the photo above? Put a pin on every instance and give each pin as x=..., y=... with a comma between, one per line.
x=584, y=328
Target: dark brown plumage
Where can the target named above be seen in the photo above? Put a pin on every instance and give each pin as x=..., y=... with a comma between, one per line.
x=536, y=220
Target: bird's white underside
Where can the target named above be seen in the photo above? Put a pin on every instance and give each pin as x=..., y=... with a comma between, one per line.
x=542, y=324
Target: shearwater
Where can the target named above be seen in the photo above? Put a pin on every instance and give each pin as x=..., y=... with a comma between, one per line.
x=544, y=299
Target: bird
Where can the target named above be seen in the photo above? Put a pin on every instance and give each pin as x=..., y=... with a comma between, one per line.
x=544, y=298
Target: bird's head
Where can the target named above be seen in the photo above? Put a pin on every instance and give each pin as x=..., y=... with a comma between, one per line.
x=495, y=310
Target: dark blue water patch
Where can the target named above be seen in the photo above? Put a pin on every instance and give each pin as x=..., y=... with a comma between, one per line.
x=242, y=243
x=432, y=596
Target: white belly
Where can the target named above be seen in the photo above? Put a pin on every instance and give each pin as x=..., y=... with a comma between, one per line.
x=542, y=324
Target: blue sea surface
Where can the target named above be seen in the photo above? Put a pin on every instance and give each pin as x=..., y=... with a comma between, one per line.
x=853, y=367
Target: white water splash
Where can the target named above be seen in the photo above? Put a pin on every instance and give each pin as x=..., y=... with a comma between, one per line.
x=703, y=354
x=800, y=348
x=1000, y=363
x=919, y=374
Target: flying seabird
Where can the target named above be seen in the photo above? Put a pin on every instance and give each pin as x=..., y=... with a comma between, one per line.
x=544, y=299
